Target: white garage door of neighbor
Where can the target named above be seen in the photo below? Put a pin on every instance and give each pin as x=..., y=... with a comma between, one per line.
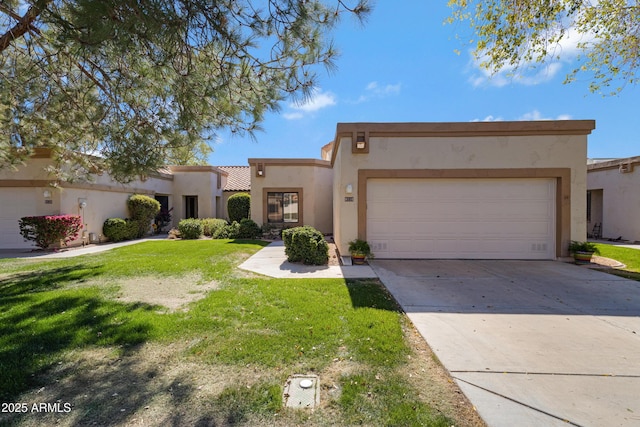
x=16, y=203
x=461, y=218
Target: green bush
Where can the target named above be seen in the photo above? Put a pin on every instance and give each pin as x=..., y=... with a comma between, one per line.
x=50, y=229
x=118, y=229
x=248, y=229
x=190, y=228
x=212, y=226
x=143, y=209
x=239, y=206
x=229, y=231
x=305, y=244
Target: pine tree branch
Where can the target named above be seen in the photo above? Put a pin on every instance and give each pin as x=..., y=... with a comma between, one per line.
x=24, y=25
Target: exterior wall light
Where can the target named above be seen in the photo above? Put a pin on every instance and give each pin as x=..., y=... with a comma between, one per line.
x=360, y=142
x=46, y=194
x=349, y=189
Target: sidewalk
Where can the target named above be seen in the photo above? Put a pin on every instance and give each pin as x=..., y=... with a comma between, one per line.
x=271, y=261
x=70, y=252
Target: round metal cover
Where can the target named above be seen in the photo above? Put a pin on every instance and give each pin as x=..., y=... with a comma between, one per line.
x=306, y=383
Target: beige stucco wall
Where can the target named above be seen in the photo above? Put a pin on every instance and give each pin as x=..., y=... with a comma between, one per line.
x=314, y=177
x=22, y=194
x=617, y=206
x=199, y=181
x=465, y=146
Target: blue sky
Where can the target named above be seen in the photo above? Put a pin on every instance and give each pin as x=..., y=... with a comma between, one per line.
x=402, y=66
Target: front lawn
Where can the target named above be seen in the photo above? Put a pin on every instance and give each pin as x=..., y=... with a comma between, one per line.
x=627, y=256
x=80, y=331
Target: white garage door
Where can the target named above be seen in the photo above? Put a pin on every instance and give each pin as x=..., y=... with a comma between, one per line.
x=15, y=204
x=461, y=218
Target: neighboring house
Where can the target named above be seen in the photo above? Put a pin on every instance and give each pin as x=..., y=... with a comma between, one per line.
x=192, y=192
x=474, y=190
x=613, y=199
x=238, y=181
x=486, y=190
x=292, y=192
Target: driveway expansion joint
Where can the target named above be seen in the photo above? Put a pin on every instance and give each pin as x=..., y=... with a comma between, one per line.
x=533, y=408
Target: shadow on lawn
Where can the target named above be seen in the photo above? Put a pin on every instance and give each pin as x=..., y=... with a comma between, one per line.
x=108, y=379
x=34, y=331
x=371, y=293
x=106, y=390
x=47, y=280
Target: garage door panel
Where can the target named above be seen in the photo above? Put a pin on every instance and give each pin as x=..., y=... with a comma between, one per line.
x=16, y=203
x=461, y=218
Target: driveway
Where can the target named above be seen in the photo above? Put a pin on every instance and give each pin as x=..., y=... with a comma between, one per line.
x=531, y=343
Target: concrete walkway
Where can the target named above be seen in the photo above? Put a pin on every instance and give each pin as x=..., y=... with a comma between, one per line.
x=70, y=252
x=271, y=261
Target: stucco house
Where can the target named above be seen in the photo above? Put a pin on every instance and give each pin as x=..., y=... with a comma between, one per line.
x=192, y=192
x=486, y=190
x=613, y=199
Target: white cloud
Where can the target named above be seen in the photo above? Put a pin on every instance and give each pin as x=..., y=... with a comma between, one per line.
x=374, y=90
x=564, y=117
x=293, y=116
x=489, y=118
x=528, y=116
x=317, y=101
x=537, y=115
x=532, y=73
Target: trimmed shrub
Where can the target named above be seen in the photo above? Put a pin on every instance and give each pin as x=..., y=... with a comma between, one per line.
x=212, y=226
x=190, y=228
x=229, y=231
x=118, y=229
x=239, y=206
x=305, y=244
x=49, y=229
x=248, y=229
x=143, y=209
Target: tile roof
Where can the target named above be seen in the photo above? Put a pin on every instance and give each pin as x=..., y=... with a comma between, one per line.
x=239, y=178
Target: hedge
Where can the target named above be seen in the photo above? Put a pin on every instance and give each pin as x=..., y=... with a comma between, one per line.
x=118, y=229
x=212, y=226
x=239, y=206
x=143, y=209
x=190, y=228
x=248, y=229
x=305, y=244
x=49, y=229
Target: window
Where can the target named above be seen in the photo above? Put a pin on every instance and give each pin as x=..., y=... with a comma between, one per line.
x=191, y=206
x=282, y=207
x=588, y=206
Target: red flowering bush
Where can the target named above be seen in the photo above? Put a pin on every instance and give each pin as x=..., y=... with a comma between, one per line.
x=50, y=229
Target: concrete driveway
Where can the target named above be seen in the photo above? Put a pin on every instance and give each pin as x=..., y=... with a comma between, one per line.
x=531, y=343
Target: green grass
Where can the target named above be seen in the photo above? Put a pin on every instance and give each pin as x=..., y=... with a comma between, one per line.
x=372, y=399
x=49, y=308
x=629, y=257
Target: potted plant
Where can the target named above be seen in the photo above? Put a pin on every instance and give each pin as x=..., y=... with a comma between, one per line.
x=583, y=251
x=360, y=250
